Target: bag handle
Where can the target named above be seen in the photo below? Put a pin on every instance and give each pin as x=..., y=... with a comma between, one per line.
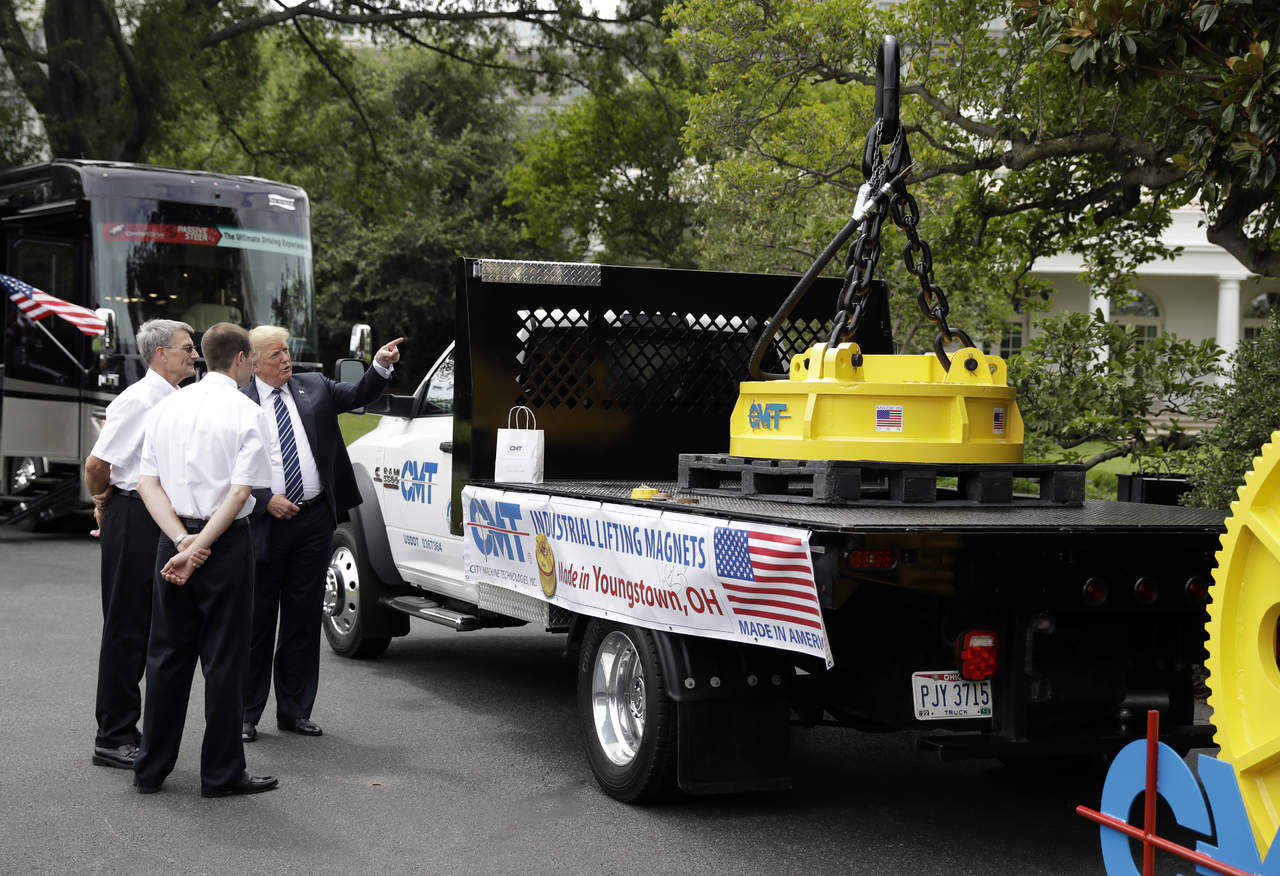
x=513, y=416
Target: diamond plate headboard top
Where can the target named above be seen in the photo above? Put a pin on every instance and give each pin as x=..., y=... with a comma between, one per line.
x=537, y=273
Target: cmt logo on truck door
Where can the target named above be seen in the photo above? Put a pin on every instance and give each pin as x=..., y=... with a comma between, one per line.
x=416, y=480
x=495, y=529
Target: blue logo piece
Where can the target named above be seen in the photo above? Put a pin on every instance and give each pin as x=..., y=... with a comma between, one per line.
x=1219, y=804
x=767, y=416
x=416, y=480
x=494, y=530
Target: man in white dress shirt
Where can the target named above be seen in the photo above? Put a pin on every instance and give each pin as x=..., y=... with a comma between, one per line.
x=311, y=484
x=129, y=538
x=205, y=449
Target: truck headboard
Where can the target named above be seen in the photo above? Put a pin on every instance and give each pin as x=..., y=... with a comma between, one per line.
x=625, y=368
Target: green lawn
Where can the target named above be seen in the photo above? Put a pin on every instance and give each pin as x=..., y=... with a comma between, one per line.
x=355, y=425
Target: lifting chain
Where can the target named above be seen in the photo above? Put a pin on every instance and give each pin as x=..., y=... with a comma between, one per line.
x=902, y=208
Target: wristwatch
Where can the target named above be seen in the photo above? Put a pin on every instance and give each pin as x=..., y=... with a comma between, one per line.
x=177, y=542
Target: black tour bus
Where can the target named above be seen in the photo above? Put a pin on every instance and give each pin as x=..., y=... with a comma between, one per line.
x=132, y=242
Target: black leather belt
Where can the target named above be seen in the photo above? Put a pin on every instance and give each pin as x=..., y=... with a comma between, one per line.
x=132, y=494
x=196, y=524
x=317, y=499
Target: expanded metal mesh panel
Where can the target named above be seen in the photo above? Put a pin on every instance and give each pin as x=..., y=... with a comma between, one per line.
x=537, y=273
x=623, y=376
x=517, y=605
x=1094, y=516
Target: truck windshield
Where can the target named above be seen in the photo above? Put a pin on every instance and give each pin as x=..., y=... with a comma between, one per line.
x=204, y=264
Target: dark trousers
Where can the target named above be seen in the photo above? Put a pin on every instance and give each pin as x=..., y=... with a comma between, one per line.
x=289, y=586
x=204, y=619
x=129, y=538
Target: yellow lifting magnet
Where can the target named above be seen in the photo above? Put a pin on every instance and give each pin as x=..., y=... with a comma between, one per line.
x=841, y=404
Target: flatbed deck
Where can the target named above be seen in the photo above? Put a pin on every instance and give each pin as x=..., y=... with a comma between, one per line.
x=1095, y=516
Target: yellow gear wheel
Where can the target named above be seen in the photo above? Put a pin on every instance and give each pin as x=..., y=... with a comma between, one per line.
x=1244, y=679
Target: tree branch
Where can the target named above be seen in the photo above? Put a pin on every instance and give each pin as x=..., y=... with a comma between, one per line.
x=22, y=60
x=143, y=112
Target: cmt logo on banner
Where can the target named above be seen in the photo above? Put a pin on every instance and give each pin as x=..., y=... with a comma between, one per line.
x=416, y=480
x=495, y=529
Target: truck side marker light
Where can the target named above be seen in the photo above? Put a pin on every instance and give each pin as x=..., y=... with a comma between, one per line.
x=1094, y=591
x=978, y=654
x=1197, y=589
x=1145, y=590
x=863, y=559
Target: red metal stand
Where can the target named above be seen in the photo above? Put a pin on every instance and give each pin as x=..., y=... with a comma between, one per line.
x=1151, y=842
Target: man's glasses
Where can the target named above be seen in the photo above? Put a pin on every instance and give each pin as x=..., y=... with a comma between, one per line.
x=186, y=348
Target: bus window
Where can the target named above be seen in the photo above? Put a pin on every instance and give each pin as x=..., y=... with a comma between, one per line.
x=29, y=353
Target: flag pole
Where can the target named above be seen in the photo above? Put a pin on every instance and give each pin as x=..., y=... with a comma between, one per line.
x=56, y=342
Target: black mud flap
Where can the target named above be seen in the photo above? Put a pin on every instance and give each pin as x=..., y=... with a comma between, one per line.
x=729, y=746
x=733, y=714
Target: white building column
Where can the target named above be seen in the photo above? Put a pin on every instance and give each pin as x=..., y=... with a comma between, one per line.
x=1099, y=301
x=1228, y=334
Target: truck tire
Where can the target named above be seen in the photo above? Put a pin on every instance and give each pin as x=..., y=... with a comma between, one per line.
x=628, y=721
x=343, y=607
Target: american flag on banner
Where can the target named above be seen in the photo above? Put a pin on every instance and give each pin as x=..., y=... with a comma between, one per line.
x=37, y=305
x=888, y=418
x=767, y=576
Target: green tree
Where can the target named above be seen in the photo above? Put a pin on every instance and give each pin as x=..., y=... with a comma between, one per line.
x=1217, y=60
x=106, y=76
x=1084, y=379
x=1016, y=156
x=605, y=172
x=391, y=211
x=1246, y=412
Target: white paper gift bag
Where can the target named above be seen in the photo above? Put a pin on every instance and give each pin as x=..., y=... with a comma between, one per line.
x=521, y=447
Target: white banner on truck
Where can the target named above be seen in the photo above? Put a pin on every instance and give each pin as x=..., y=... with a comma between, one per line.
x=701, y=576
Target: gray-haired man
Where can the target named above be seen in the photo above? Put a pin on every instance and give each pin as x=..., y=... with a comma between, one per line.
x=129, y=538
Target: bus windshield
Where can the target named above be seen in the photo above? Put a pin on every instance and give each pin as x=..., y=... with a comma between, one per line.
x=203, y=264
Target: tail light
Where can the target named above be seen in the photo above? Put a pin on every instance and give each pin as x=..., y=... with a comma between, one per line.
x=978, y=654
x=864, y=559
x=1094, y=591
x=1145, y=590
x=1197, y=589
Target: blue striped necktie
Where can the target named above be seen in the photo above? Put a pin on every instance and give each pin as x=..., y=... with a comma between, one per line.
x=288, y=451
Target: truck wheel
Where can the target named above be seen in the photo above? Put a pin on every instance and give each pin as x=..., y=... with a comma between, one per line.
x=628, y=721
x=342, y=607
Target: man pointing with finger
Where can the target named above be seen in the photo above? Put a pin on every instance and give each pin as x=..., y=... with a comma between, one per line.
x=311, y=484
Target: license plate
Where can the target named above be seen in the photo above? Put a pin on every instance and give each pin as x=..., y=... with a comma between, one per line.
x=944, y=694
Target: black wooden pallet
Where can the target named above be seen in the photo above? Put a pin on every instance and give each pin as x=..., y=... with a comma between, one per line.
x=861, y=482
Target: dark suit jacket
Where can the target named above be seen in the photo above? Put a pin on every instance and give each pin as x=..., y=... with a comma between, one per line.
x=319, y=402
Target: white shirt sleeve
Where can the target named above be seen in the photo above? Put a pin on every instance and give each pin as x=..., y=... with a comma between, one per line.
x=122, y=433
x=253, y=462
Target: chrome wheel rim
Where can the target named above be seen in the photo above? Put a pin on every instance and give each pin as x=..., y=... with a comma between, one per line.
x=24, y=474
x=618, y=698
x=342, y=591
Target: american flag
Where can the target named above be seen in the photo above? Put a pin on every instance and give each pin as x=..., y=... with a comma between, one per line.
x=767, y=576
x=997, y=421
x=888, y=418
x=37, y=305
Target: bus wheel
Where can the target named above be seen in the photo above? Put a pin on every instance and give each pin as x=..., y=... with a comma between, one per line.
x=628, y=721
x=342, y=605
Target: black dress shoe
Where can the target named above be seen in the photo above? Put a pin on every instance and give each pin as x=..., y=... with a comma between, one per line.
x=301, y=726
x=121, y=758
x=248, y=732
x=246, y=784
x=145, y=789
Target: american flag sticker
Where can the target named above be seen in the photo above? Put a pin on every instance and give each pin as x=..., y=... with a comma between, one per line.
x=888, y=418
x=767, y=576
x=997, y=421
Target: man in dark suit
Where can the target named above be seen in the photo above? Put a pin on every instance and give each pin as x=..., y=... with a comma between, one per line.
x=311, y=484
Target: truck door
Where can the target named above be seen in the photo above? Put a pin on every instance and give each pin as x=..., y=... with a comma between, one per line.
x=42, y=375
x=418, y=462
